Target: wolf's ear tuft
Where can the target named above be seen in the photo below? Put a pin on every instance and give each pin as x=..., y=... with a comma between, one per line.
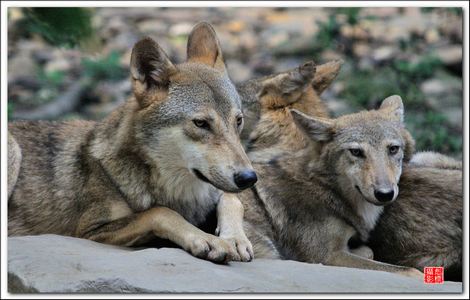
x=318, y=129
x=204, y=47
x=325, y=74
x=393, y=108
x=286, y=88
x=150, y=64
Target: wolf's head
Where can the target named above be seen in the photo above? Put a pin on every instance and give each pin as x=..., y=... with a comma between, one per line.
x=364, y=151
x=189, y=115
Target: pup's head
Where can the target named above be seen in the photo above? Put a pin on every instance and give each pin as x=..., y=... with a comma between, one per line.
x=299, y=89
x=188, y=116
x=364, y=151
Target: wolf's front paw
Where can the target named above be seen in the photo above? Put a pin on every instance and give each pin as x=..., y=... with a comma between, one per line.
x=212, y=248
x=243, y=246
x=412, y=272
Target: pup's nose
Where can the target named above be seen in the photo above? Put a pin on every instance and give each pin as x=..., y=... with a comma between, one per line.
x=245, y=179
x=384, y=195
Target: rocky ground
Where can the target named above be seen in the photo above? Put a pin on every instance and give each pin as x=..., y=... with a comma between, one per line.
x=414, y=52
x=56, y=264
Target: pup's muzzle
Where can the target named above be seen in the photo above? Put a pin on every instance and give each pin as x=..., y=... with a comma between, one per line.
x=245, y=179
x=384, y=196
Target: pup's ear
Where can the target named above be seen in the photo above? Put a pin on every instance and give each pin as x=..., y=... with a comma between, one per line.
x=204, y=47
x=325, y=74
x=286, y=88
x=393, y=108
x=318, y=129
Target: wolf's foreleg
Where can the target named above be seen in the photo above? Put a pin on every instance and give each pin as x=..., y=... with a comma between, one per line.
x=164, y=223
x=347, y=259
x=230, y=225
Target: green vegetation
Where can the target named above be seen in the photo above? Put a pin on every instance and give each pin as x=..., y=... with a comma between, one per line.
x=455, y=10
x=107, y=67
x=366, y=88
x=51, y=84
x=431, y=132
x=423, y=69
x=10, y=109
x=351, y=13
x=327, y=35
x=65, y=26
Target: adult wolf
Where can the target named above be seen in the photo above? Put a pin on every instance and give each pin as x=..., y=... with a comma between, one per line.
x=157, y=166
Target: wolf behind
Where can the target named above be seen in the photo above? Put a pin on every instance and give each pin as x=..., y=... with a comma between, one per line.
x=156, y=166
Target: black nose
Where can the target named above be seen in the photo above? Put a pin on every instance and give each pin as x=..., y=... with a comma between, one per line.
x=245, y=179
x=384, y=196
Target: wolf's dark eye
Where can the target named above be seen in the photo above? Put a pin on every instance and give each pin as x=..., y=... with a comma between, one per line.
x=239, y=121
x=393, y=149
x=356, y=152
x=201, y=123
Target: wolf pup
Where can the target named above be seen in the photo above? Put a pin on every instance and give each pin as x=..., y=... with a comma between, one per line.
x=423, y=227
x=155, y=167
x=310, y=204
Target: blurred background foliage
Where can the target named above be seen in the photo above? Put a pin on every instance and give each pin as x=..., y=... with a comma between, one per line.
x=80, y=56
x=66, y=26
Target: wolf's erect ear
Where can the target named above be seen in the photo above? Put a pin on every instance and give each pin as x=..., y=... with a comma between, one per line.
x=150, y=64
x=286, y=88
x=325, y=74
x=204, y=47
x=318, y=129
x=393, y=108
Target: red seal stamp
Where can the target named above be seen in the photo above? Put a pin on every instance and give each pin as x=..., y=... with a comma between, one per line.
x=433, y=275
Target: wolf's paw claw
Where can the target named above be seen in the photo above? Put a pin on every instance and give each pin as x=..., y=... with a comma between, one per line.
x=243, y=246
x=212, y=248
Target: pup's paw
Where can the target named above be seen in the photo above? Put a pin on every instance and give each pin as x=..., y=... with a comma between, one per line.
x=243, y=246
x=412, y=272
x=212, y=248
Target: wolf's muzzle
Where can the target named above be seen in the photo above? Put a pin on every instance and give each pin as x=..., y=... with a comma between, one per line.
x=245, y=179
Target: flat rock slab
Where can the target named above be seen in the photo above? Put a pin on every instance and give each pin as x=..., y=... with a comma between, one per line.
x=57, y=264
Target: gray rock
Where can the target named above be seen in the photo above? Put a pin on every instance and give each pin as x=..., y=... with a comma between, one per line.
x=450, y=55
x=383, y=53
x=181, y=29
x=53, y=264
x=433, y=87
x=154, y=26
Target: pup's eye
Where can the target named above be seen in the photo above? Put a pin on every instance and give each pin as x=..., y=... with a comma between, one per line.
x=356, y=152
x=393, y=149
x=239, y=121
x=201, y=123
